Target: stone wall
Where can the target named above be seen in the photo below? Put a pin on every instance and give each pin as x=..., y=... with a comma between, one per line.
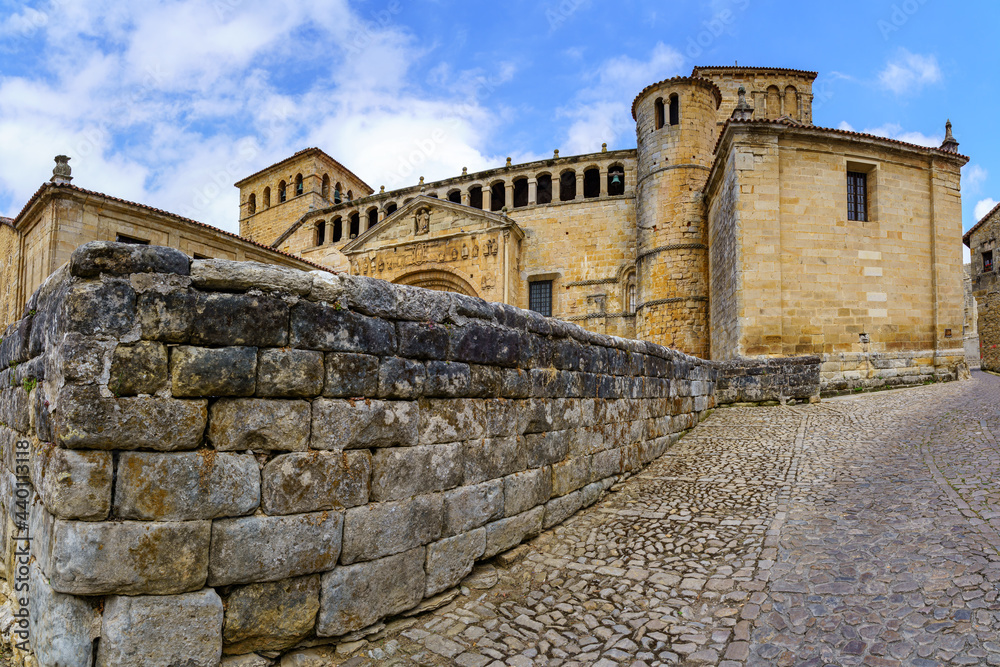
x=212, y=457
x=989, y=331
x=766, y=380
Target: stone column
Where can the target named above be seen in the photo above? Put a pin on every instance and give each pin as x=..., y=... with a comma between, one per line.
x=532, y=191
x=579, y=185
x=381, y=214
x=509, y=197
x=604, y=182
x=465, y=197
x=556, y=187
x=487, y=198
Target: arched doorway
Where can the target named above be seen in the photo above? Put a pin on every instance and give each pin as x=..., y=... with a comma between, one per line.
x=441, y=281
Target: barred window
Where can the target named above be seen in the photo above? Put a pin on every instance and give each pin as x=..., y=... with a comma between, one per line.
x=987, y=261
x=540, y=297
x=857, y=196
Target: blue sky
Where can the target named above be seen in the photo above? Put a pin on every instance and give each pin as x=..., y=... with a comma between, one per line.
x=169, y=102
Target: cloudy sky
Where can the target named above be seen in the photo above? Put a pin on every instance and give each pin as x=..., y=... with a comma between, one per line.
x=169, y=102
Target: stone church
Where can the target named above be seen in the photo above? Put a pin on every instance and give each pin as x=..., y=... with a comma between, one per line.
x=735, y=228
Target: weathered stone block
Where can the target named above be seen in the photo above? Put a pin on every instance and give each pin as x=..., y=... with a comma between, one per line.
x=587, y=440
x=287, y=373
x=447, y=379
x=271, y=616
x=423, y=340
x=356, y=596
x=451, y=560
x=136, y=369
x=317, y=326
x=73, y=485
x=260, y=425
x=495, y=382
x=351, y=375
x=383, y=529
x=560, y=509
x=592, y=492
x=326, y=287
x=507, y=533
x=316, y=481
x=361, y=424
x=86, y=420
x=370, y=296
x=422, y=305
x=224, y=274
x=99, y=308
x=186, y=486
x=401, y=378
x=167, y=317
x=570, y=475
x=469, y=507
x=268, y=548
x=606, y=464
x=120, y=259
x=493, y=458
x=542, y=449
x=60, y=625
x=409, y=471
x=500, y=418
x=82, y=358
x=451, y=420
x=525, y=490
x=224, y=371
x=240, y=320
x=481, y=343
x=155, y=631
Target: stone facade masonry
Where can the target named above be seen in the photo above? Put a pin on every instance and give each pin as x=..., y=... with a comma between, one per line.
x=214, y=458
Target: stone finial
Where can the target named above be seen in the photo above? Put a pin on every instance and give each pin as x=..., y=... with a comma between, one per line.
x=555, y=154
x=382, y=190
x=604, y=148
x=508, y=162
x=465, y=171
x=62, y=173
x=743, y=110
x=949, y=144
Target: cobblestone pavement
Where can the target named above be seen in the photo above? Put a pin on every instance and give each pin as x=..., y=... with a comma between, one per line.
x=860, y=531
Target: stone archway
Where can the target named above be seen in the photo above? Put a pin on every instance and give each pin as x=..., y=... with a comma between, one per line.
x=441, y=281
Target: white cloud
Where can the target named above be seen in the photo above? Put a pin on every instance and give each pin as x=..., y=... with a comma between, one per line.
x=896, y=131
x=844, y=125
x=909, y=72
x=973, y=177
x=984, y=206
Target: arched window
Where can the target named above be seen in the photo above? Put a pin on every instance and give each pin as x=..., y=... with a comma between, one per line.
x=350, y=195
x=338, y=230
x=592, y=183
x=498, y=196
x=567, y=186
x=432, y=195
x=455, y=196
x=520, y=192
x=675, y=109
x=390, y=209
x=660, y=115
x=476, y=196
x=616, y=181
x=267, y=197
x=791, y=102
x=355, y=224
x=252, y=204
x=372, y=217
x=629, y=294
x=321, y=232
x=325, y=193
x=298, y=185
x=282, y=192
x=337, y=196
x=544, y=195
x=773, y=102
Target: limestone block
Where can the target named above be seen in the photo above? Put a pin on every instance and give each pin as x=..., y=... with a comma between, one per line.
x=316, y=481
x=73, y=484
x=450, y=420
x=469, y=507
x=401, y=472
x=500, y=418
x=383, y=529
x=481, y=343
x=447, y=379
x=496, y=382
x=507, y=533
x=202, y=371
x=401, y=378
x=422, y=305
x=269, y=548
x=334, y=329
x=97, y=257
x=493, y=458
x=451, y=559
x=248, y=660
x=356, y=596
x=86, y=420
x=82, y=358
x=423, y=340
x=341, y=424
x=60, y=625
x=322, y=656
x=122, y=558
x=186, y=486
x=239, y=424
x=592, y=492
x=558, y=510
x=270, y=616
x=136, y=369
x=370, y=295
x=524, y=490
x=287, y=373
x=350, y=375
x=156, y=631
x=168, y=317
x=570, y=475
x=326, y=287
x=537, y=416
x=224, y=274
x=240, y=320
x=99, y=308
x=542, y=449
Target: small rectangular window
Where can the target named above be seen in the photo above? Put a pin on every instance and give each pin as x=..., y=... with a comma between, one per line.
x=988, y=261
x=540, y=297
x=121, y=238
x=857, y=196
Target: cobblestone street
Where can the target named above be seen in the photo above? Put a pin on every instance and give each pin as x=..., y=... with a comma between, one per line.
x=859, y=531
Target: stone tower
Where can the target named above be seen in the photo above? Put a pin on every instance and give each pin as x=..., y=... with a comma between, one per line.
x=676, y=133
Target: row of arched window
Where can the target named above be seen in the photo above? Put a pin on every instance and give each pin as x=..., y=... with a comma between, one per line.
x=298, y=190
x=662, y=111
x=779, y=104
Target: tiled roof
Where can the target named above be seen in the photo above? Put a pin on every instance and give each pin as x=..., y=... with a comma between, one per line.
x=680, y=79
x=66, y=186
x=968, y=234
x=300, y=154
x=736, y=68
x=6, y=221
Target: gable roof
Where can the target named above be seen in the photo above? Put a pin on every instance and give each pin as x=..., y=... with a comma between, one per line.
x=967, y=237
x=8, y=222
x=303, y=153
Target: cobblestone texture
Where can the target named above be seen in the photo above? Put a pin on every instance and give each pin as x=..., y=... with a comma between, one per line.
x=860, y=531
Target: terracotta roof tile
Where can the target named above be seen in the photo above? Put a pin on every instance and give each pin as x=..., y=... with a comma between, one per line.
x=982, y=221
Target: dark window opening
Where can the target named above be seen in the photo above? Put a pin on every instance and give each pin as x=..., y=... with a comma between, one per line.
x=857, y=196
x=200, y=256
x=987, y=261
x=282, y=192
x=298, y=185
x=338, y=230
x=660, y=116
x=455, y=196
x=616, y=181
x=350, y=195
x=498, y=196
x=337, y=197
x=267, y=197
x=390, y=209
x=544, y=195
x=355, y=225
x=540, y=297
x=592, y=183
x=675, y=109
x=520, y=192
x=252, y=204
x=476, y=197
x=434, y=195
x=372, y=217
x=321, y=232
x=121, y=238
x=326, y=186
x=567, y=186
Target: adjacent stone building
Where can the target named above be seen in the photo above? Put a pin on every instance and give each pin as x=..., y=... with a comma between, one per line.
x=981, y=240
